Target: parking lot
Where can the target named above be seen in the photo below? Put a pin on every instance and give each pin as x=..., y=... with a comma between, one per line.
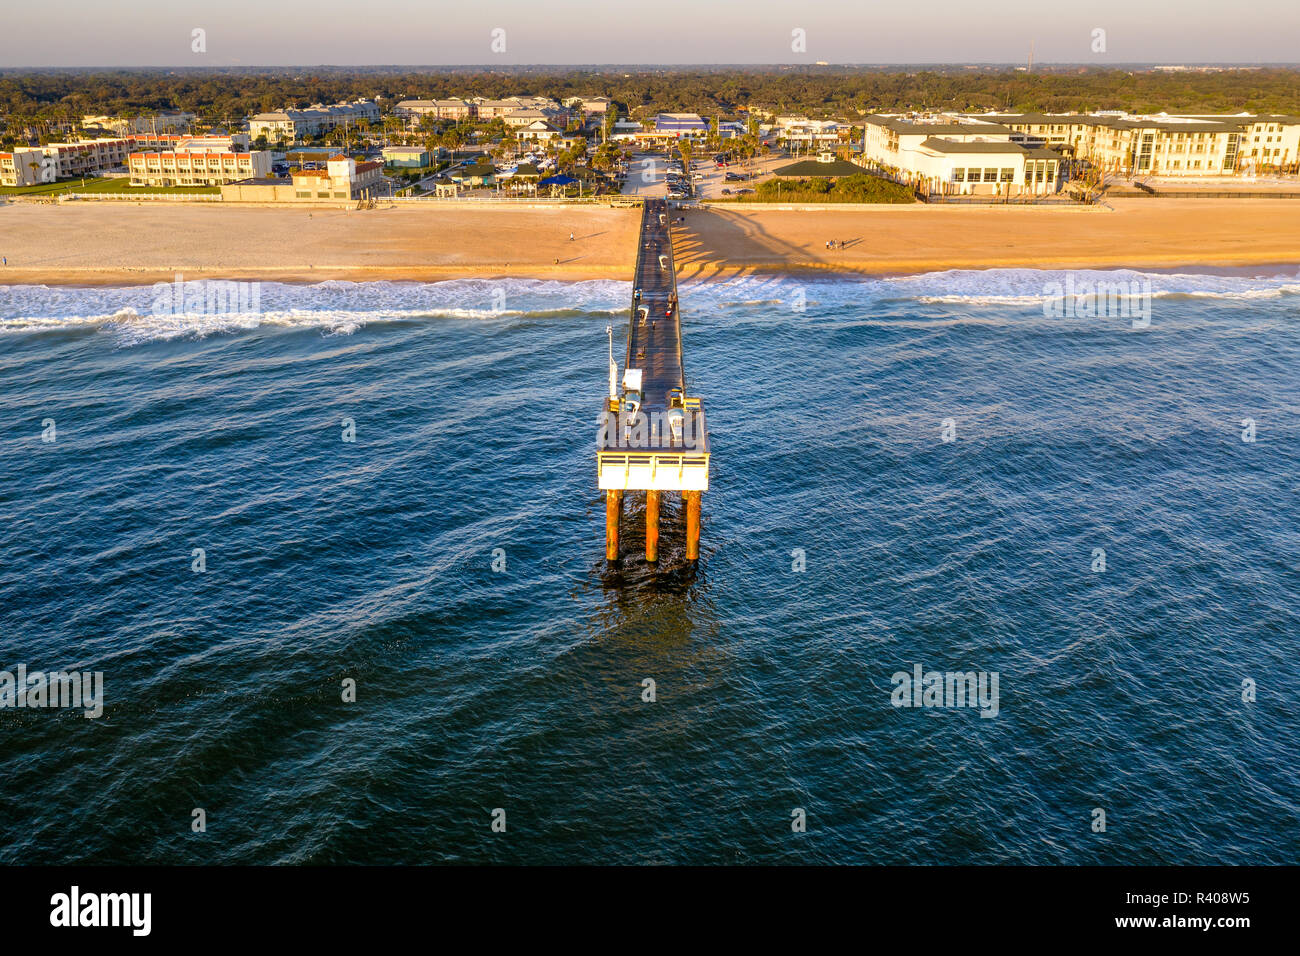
x=651, y=174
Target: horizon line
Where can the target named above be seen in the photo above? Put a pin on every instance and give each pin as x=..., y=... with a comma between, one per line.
x=1224, y=64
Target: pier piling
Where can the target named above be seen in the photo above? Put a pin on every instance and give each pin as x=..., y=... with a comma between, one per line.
x=652, y=526
x=613, y=511
x=692, y=502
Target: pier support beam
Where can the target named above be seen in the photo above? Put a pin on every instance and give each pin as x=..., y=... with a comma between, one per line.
x=692, y=500
x=613, y=511
x=652, y=526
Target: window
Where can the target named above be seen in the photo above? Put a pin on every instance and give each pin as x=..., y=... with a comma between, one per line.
x=959, y=175
x=1008, y=175
x=990, y=175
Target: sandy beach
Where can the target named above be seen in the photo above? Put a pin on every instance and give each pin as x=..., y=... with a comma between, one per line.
x=103, y=243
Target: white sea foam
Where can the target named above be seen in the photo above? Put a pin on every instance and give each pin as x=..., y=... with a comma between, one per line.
x=338, y=307
x=129, y=313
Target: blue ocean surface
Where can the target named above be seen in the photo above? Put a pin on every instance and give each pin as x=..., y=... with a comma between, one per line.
x=449, y=561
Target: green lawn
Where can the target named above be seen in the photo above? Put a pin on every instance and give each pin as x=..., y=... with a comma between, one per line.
x=101, y=186
x=856, y=189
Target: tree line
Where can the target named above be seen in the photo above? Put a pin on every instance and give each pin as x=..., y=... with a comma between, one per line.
x=58, y=98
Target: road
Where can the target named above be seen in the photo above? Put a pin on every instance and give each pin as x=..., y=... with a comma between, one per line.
x=646, y=176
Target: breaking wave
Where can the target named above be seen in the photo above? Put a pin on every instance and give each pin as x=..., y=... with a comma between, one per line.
x=131, y=314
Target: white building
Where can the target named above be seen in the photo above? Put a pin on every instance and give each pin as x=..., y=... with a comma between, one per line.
x=290, y=126
x=539, y=131
x=1164, y=144
x=949, y=155
x=802, y=133
x=342, y=178
x=26, y=166
x=164, y=121
x=46, y=164
x=198, y=166
x=415, y=110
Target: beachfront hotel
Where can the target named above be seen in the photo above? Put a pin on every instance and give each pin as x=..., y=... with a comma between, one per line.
x=1163, y=144
x=952, y=155
x=938, y=151
x=31, y=166
x=197, y=165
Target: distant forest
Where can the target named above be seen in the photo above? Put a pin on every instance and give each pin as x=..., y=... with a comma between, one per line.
x=224, y=96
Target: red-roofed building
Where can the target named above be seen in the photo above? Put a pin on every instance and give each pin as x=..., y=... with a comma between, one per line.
x=198, y=167
x=343, y=178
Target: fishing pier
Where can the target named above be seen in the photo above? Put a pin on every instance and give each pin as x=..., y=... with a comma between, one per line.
x=653, y=435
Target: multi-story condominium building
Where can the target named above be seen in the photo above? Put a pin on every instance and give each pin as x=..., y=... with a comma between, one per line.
x=952, y=155
x=1269, y=144
x=590, y=105
x=1164, y=144
x=25, y=167
x=148, y=142
x=497, y=109
x=414, y=110
x=87, y=157
x=55, y=161
x=163, y=121
x=290, y=126
x=197, y=167
x=518, y=119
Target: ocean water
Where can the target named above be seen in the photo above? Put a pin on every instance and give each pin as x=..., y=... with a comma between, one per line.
x=521, y=686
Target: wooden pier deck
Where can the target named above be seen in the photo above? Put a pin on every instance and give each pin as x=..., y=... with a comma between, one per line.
x=661, y=442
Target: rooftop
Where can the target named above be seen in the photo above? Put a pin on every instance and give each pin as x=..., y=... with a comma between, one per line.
x=979, y=146
x=815, y=167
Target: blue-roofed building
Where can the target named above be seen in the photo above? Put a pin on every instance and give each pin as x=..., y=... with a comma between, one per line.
x=681, y=124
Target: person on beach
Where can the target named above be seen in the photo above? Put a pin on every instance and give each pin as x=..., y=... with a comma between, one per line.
x=570, y=237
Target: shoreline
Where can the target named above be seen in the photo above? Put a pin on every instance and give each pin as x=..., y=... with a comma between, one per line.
x=100, y=279
x=101, y=245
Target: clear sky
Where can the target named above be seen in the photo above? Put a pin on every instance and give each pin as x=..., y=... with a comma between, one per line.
x=267, y=32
